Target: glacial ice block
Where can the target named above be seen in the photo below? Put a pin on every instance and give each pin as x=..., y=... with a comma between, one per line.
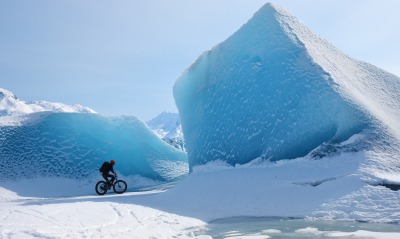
x=74, y=145
x=274, y=90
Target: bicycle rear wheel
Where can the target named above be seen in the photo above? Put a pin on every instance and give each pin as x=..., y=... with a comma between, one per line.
x=101, y=188
x=120, y=186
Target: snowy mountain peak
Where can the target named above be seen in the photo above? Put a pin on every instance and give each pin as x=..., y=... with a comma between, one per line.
x=166, y=125
x=10, y=105
x=6, y=94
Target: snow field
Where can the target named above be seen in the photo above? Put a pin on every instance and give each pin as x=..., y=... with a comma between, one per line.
x=91, y=219
x=304, y=188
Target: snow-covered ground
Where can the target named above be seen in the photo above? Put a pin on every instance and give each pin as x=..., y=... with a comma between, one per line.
x=302, y=188
x=89, y=217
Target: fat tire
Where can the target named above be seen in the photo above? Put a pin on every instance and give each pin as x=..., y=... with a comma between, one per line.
x=99, y=190
x=120, y=186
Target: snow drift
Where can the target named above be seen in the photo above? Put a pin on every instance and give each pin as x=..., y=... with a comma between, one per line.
x=276, y=90
x=73, y=145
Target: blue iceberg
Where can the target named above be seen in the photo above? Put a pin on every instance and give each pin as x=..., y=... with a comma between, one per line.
x=276, y=90
x=74, y=145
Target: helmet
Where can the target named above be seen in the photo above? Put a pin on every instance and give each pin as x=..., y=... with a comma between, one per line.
x=112, y=161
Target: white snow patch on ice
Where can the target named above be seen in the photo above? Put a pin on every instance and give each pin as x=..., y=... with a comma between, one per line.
x=248, y=237
x=24, y=119
x=272, y=231
x=355, y=234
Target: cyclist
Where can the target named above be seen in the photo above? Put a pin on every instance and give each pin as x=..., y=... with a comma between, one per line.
x=107, y=167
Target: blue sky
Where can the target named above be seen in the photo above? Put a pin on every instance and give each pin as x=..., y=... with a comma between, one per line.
x=123, y=57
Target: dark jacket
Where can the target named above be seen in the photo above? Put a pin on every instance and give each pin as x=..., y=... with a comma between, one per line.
x=108, y=167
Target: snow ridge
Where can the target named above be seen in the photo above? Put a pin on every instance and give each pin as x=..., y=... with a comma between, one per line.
x=10, y=105
x=372, y=89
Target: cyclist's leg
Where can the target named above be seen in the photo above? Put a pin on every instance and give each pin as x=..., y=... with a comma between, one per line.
x=112, y=178
x=105, y=176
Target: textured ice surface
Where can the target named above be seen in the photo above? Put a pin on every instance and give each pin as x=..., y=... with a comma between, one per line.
x=275, y=90
x=75, y=145
x=260, y=93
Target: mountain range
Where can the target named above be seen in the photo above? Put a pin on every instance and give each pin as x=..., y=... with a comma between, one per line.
x=11, y=105
x=167, y=126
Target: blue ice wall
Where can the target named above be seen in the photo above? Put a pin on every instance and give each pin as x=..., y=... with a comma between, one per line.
x=259, y=93
x=75, y=145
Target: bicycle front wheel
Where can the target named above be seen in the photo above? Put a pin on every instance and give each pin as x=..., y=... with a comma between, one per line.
x=120, y=186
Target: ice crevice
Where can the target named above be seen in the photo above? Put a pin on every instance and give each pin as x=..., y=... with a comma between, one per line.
x=314, y=183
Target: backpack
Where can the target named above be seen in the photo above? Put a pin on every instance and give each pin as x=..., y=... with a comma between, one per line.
x=104, y=167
